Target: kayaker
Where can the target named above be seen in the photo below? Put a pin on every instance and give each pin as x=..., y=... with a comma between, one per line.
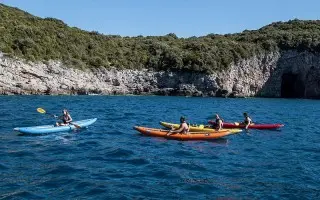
x=183, y=128
x=247, y=120
x=219, y=123
x=66, y=118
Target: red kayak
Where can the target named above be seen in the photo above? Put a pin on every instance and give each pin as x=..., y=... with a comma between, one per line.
x=252, y=126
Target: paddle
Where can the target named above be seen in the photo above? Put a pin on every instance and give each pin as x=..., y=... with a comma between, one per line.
x=43, y=111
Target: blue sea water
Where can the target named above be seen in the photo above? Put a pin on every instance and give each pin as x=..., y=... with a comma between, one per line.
x=110, y=160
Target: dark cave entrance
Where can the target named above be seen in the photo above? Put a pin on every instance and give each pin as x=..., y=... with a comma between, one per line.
x=292, y=86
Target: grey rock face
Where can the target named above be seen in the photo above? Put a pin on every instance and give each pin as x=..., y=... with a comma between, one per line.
x=264, y=75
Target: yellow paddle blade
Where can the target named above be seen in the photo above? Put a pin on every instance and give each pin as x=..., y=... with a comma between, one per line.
x=201, y=126
x=41, y=110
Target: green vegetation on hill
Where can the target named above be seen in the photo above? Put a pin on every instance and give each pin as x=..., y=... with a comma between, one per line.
x=34, y=38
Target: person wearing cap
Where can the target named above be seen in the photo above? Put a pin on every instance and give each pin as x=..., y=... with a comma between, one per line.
x=183, y=128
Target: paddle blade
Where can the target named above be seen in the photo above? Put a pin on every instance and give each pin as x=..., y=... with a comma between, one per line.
x=41, y=110
x=75, y=125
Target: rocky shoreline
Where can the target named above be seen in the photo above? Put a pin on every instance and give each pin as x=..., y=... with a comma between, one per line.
x=258, y=76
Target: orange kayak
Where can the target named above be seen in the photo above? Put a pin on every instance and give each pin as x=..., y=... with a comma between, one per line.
x=179, y=136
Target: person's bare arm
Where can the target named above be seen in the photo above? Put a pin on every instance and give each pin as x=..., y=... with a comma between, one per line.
x=70, y=119
x=247, y=126
x=220, y=125
x=179, y=130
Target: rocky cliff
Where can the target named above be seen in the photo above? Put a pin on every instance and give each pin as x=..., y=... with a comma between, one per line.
x=286, y=73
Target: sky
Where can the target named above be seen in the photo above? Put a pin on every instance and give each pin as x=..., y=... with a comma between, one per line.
x=185, y=18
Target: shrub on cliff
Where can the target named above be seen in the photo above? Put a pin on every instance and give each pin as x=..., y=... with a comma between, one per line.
x=34, y=38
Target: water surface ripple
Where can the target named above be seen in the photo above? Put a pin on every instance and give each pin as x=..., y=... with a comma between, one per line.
x=111, y=160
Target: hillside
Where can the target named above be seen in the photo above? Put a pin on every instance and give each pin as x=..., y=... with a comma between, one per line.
x=36, y=39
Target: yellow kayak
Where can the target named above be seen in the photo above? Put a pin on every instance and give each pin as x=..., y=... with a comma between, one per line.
x=198, y=128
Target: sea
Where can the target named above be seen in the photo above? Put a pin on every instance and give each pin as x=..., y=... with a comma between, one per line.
x=110, y=160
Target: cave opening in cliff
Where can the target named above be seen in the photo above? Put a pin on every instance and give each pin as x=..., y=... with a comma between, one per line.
x=292, y=86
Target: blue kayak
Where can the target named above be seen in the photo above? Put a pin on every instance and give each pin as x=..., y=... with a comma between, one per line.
x=54, y=129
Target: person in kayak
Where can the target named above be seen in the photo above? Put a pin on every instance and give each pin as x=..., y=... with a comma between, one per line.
x=247, y=120
x=183, y=128
x=219, y=123
x=65, y=117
